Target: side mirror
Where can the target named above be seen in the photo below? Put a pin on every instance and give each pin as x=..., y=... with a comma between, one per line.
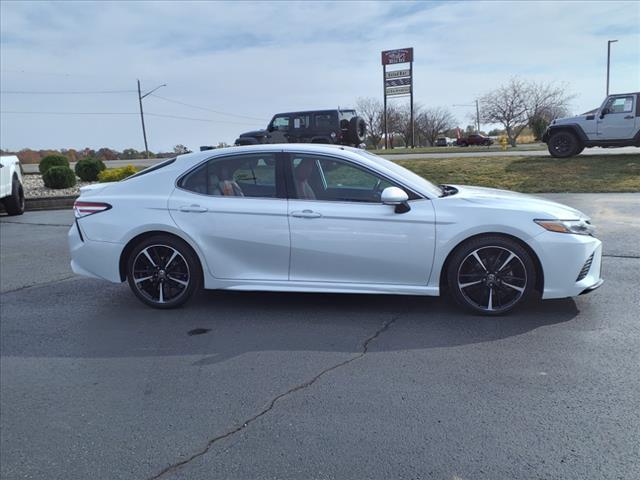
x=604, y=111
x=397, y=197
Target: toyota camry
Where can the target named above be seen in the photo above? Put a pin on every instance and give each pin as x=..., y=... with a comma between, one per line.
x=319, y=218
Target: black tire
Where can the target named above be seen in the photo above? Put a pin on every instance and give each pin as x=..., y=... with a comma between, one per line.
x=503, y=278
x=357, y=130
x=14, y=204
x=564, y=144
x=164, y=280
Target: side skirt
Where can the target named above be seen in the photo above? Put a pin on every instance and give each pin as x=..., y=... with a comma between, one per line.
x=320, y=287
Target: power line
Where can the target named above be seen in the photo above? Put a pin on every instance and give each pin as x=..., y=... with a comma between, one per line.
x=95, y=92
x=162, y=115
x=68, y=113
x=207, y=109
x=198, y=119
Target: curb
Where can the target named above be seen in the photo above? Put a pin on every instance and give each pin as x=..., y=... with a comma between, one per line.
x=49, y=203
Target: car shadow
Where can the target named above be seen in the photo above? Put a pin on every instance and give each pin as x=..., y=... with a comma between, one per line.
x=218, y=326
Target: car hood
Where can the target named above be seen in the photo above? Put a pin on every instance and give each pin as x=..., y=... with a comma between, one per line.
x=254, y=133
x=509, y=200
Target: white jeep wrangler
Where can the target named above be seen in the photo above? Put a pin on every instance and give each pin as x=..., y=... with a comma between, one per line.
x=11, y=190
x=615, y=124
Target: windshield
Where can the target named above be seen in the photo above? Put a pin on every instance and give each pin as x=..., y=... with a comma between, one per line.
x=429, y=188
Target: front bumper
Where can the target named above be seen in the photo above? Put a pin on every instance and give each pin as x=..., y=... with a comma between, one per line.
x=94, y=259
x=563, y=256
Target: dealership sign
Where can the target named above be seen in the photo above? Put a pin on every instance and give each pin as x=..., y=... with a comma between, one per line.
x=398, y=82
x=401, y=55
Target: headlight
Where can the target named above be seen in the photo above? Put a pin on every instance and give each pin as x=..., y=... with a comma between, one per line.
x=578, y=227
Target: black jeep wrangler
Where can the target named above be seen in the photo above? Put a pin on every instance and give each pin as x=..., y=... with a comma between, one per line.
x=342, y=127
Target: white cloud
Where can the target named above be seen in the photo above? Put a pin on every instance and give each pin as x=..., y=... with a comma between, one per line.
x=260, y=58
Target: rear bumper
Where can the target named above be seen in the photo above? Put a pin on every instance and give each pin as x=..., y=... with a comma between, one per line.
x=94, y=259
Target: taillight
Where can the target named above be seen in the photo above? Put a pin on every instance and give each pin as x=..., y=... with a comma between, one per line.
x=82, y=209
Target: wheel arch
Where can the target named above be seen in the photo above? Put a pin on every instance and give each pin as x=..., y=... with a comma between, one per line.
x=569, y=127
x=130, y=245
x=539, y=286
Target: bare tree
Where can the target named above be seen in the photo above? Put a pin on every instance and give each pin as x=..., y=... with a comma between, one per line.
x=370, y=110
x=432, y=122
x=517, y=103
x=401, y=119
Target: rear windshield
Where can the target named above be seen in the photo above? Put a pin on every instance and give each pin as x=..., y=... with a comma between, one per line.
x=153, y=168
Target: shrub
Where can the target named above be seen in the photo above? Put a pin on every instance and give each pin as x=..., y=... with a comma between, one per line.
x=59, y=177
x=117, y=174
x=52, y=161
x=89, y=168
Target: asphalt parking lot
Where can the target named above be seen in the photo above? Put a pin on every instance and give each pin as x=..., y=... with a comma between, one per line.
x=94, y=385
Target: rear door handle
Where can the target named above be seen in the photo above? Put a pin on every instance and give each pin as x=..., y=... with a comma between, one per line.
x=193, y=209
x=306, y=214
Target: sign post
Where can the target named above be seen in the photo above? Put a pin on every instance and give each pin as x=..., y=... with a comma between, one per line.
x=398, y=83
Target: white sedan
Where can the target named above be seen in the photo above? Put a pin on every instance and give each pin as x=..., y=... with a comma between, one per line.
x=314, y=218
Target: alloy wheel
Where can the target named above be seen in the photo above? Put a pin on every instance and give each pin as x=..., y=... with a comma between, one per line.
x=160, y=273
x=492, y=279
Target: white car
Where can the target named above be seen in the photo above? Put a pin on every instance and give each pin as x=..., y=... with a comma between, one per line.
x=319, y=218
x=11, y=190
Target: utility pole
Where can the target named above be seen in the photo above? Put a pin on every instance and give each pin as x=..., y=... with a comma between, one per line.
x=609, y=61
x=477, y=105
x=144, y=130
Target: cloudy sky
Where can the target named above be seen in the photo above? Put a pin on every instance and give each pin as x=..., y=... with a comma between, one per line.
x=252, y=60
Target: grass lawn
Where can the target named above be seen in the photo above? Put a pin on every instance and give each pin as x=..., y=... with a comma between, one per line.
x=492, y=148
x=584, y=173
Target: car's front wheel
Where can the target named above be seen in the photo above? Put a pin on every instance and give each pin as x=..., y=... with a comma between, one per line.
x=491, y=275
x=163, y=271
x=564, y=144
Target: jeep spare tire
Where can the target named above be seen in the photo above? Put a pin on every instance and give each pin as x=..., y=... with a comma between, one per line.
x=357, y=130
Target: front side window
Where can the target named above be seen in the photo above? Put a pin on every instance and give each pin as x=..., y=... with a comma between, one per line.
x=252, y=175
x=620, y=104
x=280, y=123
x=328, y=179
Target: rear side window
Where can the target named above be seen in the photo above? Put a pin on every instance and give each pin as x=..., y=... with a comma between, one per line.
x=152, y=168
x=252, y=175
x=325, y=120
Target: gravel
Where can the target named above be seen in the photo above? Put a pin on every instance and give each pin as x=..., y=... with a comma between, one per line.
x=34, y=188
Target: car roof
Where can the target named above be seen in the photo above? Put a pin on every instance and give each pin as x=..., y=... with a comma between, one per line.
x=330, y=110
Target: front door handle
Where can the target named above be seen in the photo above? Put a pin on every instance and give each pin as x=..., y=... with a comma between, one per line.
x=306, y=214
x=629, y=117
x=193, y=209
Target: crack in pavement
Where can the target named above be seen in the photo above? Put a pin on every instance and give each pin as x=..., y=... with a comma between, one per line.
x=365, y=348
x=37, y=224
x=40, y=284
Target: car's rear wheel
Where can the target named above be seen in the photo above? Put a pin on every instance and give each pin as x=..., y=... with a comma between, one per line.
x=491, y=275
x=14, y=204
x=163, y=271
x=564, y=144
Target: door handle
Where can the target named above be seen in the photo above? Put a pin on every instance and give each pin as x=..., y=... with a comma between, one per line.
x=629, y=117
x=193, y=209
x=306, y=214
